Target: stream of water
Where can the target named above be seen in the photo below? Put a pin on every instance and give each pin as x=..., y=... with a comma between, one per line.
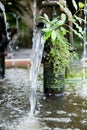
x=38, y=46
x=85, y=33
x=5, y=19
x=37, y=51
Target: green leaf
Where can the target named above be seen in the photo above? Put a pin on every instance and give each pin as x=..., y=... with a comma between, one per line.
x=64, y=31
x=76, y=33
x=79, y=28
x=81, y=5
x=72, y=19
x=47, y=30
x=63, y=17
x=53, y=35
x=9, y=3
x=60, y=22
x=60, y=36
x=47, y=35
x=45, y=21
x=79, y=19
x=74, y=4
x=55, y=20
x=46, y=17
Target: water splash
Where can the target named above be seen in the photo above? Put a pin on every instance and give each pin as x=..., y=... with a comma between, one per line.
x=85, y=28
x=34, y=15
x=5, y=19
x=7, y=34
x=84, y=57
x=38, y=46
x=37, y=51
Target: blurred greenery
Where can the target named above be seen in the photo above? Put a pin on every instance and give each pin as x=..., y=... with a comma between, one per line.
x=24, y=33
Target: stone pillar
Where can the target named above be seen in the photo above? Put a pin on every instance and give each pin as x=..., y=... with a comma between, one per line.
x=52, y=85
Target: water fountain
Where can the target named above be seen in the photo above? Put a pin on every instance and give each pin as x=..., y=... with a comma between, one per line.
x=37, y=51
x=3, y=39
x=85, y=33
x=83, y=60
x=38, y=46
x=16, y=113
x=5, y=19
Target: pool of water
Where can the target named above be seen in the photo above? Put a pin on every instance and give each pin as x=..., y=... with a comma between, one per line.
x=66, y=113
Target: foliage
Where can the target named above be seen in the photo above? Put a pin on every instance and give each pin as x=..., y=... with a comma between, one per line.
x=55, y=30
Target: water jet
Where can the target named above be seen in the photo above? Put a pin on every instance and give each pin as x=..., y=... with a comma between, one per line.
x=52, y=113
x=3, y=40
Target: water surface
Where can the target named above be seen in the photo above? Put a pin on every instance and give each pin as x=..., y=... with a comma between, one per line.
x=66, y=113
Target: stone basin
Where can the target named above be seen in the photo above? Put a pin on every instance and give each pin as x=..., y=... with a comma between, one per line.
x=17, y=62
x=19, y=58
